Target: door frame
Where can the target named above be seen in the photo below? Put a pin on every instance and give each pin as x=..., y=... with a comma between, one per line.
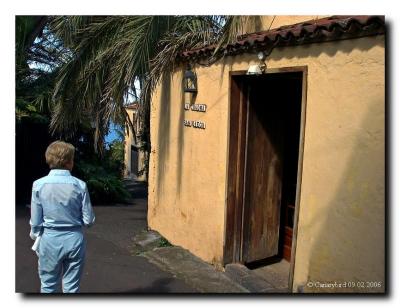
x=237, y=140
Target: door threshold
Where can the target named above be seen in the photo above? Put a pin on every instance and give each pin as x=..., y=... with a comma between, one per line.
x=277, y=273
x=253, y=281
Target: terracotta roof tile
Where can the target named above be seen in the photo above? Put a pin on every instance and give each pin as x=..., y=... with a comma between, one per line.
x=319, y=30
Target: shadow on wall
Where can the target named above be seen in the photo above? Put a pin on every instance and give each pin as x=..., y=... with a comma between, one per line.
x=164, y=134
x=349, y=245
x=180, y=140
x=164, y=127
x=227, y=63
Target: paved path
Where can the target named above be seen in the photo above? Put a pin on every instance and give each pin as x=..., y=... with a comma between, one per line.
x=111, y=267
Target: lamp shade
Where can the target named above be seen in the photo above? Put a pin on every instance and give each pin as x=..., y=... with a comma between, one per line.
x=189, y=81
x=254, y=70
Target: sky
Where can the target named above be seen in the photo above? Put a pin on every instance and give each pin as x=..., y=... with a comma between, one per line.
x=113, y=134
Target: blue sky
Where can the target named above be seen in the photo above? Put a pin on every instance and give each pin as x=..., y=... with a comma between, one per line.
x=113, y=134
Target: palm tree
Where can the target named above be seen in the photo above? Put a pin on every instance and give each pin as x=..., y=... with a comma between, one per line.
x=27, y=29
x=37, y=56
x=111, y=54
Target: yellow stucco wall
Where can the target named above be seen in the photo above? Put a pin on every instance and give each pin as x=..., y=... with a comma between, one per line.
x=188, y=166
x=255, y=23
x=341, y=218
x=276, y=21
x=342, y=210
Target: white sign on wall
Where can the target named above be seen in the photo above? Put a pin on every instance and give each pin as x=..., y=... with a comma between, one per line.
x=195, y=124
x=197, y=108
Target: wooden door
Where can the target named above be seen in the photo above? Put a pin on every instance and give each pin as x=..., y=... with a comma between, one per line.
x=263, y=173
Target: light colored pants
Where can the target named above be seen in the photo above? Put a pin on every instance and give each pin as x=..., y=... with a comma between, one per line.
x=61, y=257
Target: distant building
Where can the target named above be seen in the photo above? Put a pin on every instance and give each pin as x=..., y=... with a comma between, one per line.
x=135, y=155
x=288, y=164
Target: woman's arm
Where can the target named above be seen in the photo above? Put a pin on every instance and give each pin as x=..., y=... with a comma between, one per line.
x=87, y=209
x=36, y=220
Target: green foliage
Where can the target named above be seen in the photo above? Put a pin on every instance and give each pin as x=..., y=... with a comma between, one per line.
x=104, y=183
x=103, y=174
x=33, y=85
x=26, y=30
x=164, y=243
x=29, y=112
x=116, y=155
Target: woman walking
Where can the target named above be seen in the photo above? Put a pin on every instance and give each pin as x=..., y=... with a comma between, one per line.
x=60, y=207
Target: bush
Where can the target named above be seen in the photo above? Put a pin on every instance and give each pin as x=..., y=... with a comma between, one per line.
x=164, y=243
x=115, y=155
x=105, y=186
x=103, y=175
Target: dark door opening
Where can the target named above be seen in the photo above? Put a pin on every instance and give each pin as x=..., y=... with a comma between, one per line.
x=291, y=132
x=270, y=175
x=134, y=161
x=263, y=165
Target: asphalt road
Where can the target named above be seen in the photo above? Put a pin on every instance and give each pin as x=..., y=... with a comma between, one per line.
x=110, y=266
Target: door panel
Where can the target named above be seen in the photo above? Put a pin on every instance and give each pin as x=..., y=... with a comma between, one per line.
x=263, y=175
x=232, y=249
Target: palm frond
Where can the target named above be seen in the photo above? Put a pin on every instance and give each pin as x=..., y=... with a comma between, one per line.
x=109, y=53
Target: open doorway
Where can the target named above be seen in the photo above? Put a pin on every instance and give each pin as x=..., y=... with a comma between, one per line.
x=266, y=125
x=134, y=162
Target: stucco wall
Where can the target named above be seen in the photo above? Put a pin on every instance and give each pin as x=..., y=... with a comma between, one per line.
x=341, y=221
x=188, y=166
x=257, y=23
x=276, y=21
x=341, y=218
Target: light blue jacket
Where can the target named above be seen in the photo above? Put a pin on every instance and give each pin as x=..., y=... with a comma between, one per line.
x=60, y=200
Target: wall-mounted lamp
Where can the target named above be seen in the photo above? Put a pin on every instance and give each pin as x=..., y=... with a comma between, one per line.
x=189, y=81
x=258, y=69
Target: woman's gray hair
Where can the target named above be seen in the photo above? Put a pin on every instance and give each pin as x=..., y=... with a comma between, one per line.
x=59, y=154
